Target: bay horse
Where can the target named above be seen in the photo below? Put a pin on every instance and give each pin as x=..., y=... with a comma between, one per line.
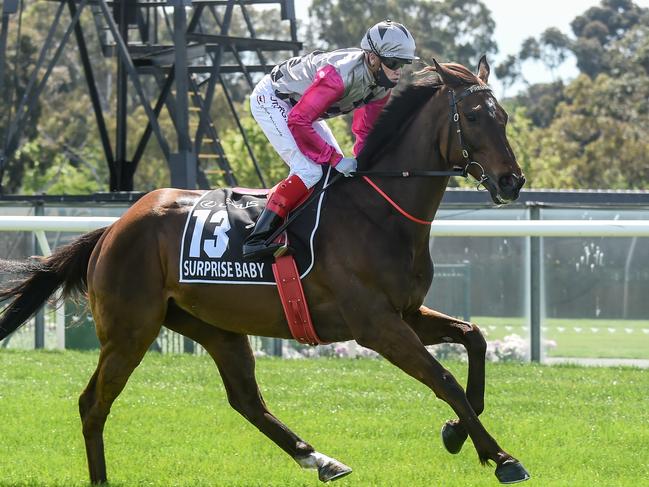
x=369, y=289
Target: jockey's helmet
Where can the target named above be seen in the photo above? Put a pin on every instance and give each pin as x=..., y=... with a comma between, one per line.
x=389, y=39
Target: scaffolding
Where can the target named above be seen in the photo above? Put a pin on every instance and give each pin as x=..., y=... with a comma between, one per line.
x=187, y=48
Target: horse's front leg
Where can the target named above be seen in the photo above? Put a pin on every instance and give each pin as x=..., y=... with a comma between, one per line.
x=236, y=363
x=433, y=327
x=382, y=329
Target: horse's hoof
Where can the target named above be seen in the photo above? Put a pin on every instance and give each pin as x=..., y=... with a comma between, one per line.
x=511, y=472
x=328, y=468
x=333, y=470
x=453, y=437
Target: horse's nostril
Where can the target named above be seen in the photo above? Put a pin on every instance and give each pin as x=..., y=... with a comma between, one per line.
x=506, y=182
x=521, y=182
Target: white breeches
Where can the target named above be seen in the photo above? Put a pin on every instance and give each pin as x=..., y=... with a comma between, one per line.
x=271, y=113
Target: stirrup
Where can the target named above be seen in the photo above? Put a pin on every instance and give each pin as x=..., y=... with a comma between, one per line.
x=260, y=251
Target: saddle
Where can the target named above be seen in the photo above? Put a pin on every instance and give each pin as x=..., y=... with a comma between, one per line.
x=211, y=249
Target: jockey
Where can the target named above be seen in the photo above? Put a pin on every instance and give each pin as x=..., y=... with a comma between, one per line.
x=291, y=103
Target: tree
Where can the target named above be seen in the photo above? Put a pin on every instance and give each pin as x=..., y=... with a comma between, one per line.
x=555, y=47
x=523, y=138
x=508, y=72
x=450, y=30
x=540, y=101
x=597, y=29
x=590, y=132
x=61, y=143
x=594, y=145
x=19, y=64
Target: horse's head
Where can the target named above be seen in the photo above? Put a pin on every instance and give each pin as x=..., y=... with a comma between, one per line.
x=476, y=138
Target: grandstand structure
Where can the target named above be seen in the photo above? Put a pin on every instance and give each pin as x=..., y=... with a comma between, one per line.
x=184, y=49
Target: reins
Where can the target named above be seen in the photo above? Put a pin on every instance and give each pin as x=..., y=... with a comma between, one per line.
x=395, y=205
x=365, y=174
x=411, y=174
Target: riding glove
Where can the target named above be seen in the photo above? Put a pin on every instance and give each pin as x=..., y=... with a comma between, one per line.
x=347, y=165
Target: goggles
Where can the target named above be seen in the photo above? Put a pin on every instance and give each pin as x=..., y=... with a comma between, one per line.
x=394, y=63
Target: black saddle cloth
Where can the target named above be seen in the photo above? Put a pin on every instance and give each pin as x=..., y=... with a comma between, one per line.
x=218, y=224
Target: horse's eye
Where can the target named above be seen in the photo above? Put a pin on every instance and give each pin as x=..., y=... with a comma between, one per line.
x=471, y=117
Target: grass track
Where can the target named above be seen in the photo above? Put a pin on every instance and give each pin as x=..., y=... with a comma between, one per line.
x=583, y=338
x=570, y=426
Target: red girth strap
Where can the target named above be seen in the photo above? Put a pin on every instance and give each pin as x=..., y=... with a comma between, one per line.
x=293, y=301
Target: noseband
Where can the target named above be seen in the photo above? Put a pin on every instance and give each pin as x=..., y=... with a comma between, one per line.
x=455, y=120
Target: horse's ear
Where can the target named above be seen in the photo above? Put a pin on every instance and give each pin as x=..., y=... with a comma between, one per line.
x=483, y=69
x=448, y=78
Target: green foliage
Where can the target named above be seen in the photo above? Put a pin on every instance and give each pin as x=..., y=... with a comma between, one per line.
x=590, y=144
x=19, y=63
x=449, y=30
x=596, y=35
x=271, y=165
x=60, y=174
x=599, y=28
x=592, y=131
x=522, y=136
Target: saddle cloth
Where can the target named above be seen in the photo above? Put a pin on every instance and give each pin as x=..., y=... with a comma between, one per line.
x=218, y=224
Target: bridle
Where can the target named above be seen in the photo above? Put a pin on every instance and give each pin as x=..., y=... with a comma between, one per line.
x=455, y=120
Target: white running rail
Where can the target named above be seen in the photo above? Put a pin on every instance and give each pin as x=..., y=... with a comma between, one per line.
x=440, y=228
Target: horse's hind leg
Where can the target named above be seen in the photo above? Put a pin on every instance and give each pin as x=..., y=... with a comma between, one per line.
x=385, y=331
x=434, y=327
x=125, y=337
x=234, y=358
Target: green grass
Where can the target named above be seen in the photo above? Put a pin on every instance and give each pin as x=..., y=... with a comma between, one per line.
x=172, y=425
x=583, y=338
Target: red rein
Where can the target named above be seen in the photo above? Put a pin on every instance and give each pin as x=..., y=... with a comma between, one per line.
x=395, y=205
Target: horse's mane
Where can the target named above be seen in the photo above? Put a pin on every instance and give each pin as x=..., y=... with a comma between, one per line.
x=400, y=111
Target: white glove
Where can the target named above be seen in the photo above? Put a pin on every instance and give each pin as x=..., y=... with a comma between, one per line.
x=347, y=165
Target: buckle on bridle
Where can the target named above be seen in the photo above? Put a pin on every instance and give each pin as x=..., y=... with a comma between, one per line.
x=483, y=175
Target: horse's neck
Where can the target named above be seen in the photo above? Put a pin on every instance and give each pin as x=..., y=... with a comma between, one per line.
x=418, y=149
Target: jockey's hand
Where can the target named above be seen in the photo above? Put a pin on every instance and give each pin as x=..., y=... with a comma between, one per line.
x=347, y=165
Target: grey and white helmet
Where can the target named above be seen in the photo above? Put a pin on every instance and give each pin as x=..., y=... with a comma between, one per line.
x=389, y=39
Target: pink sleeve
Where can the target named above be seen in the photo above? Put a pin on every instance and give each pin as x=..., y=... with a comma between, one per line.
x=364, y=118
x=326, y=89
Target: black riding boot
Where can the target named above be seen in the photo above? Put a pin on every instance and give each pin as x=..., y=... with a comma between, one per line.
x=253, y=246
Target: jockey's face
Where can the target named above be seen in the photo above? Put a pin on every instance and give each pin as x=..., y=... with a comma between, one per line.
x=393, y=74
x=377, y=63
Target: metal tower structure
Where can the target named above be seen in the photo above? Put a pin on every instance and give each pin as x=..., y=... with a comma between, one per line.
x=187, y=48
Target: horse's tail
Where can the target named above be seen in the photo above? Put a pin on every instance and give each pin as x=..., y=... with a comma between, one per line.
x=66, y=267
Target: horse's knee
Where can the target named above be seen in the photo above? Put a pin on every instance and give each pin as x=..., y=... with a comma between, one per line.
x=475, y=341
x=85, y=403
x=87, y=397
x=93, y=421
